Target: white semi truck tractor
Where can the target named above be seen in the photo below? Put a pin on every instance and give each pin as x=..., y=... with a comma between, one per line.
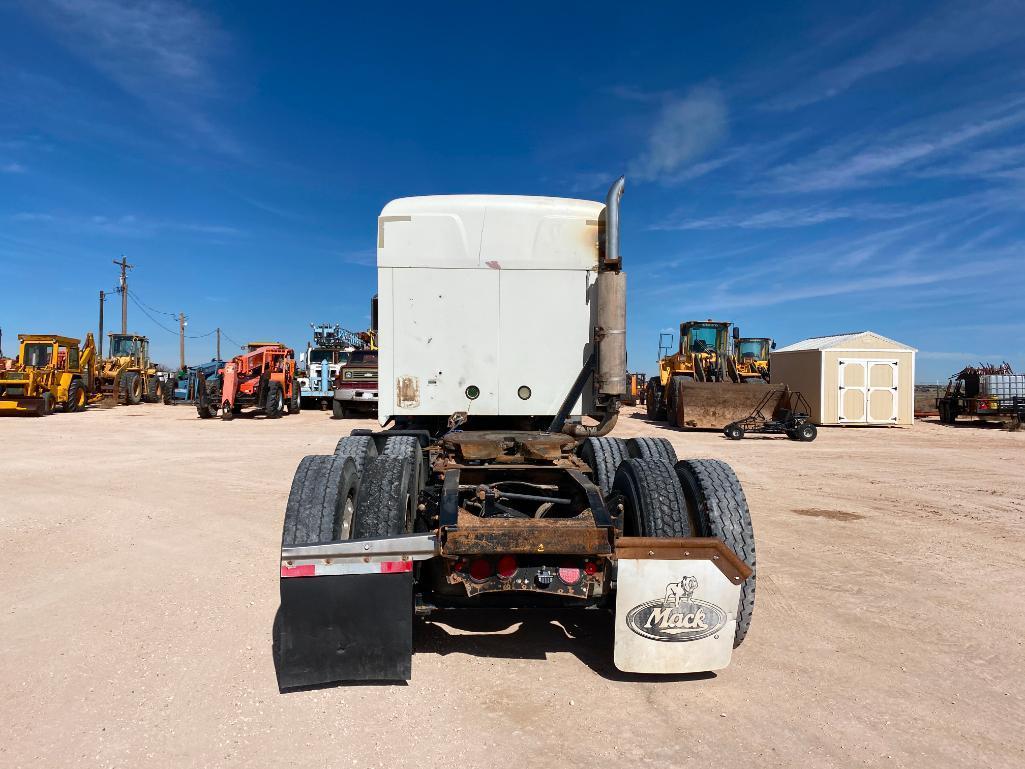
x=494, y=481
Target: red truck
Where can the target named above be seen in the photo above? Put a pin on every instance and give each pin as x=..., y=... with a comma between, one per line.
x=356, y=386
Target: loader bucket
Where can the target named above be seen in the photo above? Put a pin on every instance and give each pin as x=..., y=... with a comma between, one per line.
x=18, y=406
x=716, y=404
x=344, y=627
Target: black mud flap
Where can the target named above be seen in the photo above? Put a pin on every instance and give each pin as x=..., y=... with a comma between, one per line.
x=337, y=628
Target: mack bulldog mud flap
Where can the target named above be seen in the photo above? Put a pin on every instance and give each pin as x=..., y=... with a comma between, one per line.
x=347, y=611
x=676, y=604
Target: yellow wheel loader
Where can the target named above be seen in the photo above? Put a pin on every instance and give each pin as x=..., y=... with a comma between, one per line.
x=751, y=357
x=51, y=372
x=126, y=375
x=700, y=384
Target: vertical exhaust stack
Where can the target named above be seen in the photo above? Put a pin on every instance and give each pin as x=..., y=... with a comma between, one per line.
x=610, y=335
x=608, y=361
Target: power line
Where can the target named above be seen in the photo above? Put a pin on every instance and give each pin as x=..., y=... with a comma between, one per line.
x=146, y=313
x=135, y=296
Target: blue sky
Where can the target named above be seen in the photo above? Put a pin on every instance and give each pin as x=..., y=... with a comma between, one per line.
x=796, y=169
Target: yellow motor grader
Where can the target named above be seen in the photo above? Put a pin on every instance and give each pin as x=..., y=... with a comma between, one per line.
x=700, y=383
x=126, y=375
x=50, y=372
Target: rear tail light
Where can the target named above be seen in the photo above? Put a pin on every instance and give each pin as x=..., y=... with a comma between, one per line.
x=481, y=569
x=570, y=574
x=590, y=568
x=507, y=566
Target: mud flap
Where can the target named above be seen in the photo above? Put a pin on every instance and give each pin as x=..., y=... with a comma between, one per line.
x=676, y=605
x=347, y=627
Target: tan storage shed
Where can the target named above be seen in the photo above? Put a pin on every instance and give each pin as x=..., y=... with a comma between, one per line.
x=850, y=379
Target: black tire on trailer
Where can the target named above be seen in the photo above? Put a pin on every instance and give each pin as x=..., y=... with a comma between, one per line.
x=603, y=456
x=733, y=431
x=321, y=502
x=384, y=504
x=651, y=448
x=806, y=432
x=718, y=508
x=338, y=410
x=653, y=502
x=274, y=404
x=76, y=398
x=360, y=447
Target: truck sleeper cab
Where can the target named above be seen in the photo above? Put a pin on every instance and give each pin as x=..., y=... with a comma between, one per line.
x=502, y=324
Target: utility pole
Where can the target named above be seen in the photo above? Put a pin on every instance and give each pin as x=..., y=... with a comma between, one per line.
x=218, y=344
x=181, y=338
x=103, y=296
x=125, y=266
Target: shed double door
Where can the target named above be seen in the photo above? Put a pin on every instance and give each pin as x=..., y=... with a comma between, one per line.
x=868, y=391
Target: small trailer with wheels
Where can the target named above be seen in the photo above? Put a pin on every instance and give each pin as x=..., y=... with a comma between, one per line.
x=785, y=418
x=497, y=337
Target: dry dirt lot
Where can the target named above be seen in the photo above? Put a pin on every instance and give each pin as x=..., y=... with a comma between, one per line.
x=139, y=576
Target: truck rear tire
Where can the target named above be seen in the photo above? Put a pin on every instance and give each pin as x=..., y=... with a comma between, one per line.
x=275, y=402
x=653, y=502
x=603, y=456
x=321, y=502
x=295, y=403
x=384, y=505
x=718, y=508
x=409, y=447
x=651, y=448
x=360, y=447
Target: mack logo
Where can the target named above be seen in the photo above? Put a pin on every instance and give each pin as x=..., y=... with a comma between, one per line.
x=678, y=616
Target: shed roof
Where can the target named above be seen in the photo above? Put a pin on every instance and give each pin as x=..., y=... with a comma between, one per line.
x=856, y=340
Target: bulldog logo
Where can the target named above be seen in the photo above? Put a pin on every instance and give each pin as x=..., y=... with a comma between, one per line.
x=678, y=616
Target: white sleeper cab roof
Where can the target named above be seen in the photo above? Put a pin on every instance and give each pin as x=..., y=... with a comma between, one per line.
x=486, y=303
x=489, y=231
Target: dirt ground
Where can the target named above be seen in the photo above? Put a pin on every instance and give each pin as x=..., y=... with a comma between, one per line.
x=139, y=576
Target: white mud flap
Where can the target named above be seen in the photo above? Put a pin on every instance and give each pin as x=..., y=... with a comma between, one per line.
x=676, y=604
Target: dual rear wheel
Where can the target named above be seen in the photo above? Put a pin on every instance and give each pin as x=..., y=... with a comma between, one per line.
x=666, y=498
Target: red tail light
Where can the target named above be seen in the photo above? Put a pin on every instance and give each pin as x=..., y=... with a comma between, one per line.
x=590, y=568
x=507, y=566
x=480, y=569
x=570, y=574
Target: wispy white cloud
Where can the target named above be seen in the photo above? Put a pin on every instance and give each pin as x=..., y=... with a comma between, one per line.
x=127, y=225
x=13, y=168
x=787, y=218
x=861, y=161
x=950, y=32
x=160, y=52
x=684, y=130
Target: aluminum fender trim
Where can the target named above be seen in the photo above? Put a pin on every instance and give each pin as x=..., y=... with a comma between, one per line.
x=413, y=547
